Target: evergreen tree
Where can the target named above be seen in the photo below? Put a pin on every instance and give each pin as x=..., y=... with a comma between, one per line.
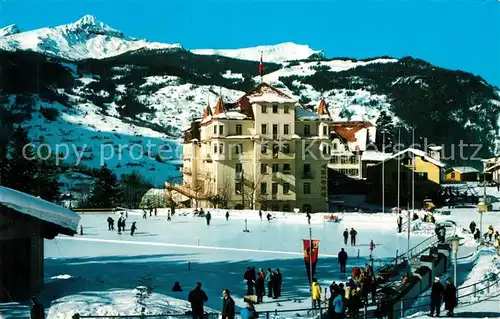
x=22, y=163
x=133, y=187
x=48, y=186
x=384, y=127
x=106, y=192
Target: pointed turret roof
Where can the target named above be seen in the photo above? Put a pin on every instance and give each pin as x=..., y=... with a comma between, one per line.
x=207, y=112
x=219, y=107
x=323, y=109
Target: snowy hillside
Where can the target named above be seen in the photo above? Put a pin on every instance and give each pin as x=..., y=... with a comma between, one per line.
x=9, y=30
x=84, y=39
x=270, y=53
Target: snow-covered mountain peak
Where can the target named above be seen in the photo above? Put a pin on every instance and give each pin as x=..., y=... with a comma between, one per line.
x=271, y=53
x=91, y=24
x=9, y=30
x=87, y=38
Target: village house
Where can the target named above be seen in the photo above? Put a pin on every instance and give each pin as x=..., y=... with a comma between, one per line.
x=492, y=166
x=427, y=170
x=461, y=174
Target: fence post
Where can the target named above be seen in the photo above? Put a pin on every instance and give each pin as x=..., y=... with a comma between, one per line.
x=474, y=290
x=402, y=309
x=488, y=284
x=366, y=311
x=267, y=314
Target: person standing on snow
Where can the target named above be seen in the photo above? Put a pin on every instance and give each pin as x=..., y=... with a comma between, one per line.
x=227, y=305
x=278, y=280
x=450, y=297
x=208, y=217
x=437, y=291
x=372, y=247
x=342, y=258
x=308, y=218
x=260, y=286
x=37, y=311
x=346, y=236
x=197, y=298
x=472, y=227
x=490, y=232
x=270, y=282
x=249, y=277
x=260, y=214
x=316, y=293
x=353, y=234
x=400, y=223
x=227, y=216
x=119, y=225
x=133, y=229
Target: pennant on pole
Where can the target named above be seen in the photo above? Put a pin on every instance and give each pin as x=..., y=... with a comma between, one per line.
x=261, y=67
x=310, y=256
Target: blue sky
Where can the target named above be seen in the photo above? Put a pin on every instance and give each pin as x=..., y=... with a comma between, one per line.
x=456, y=34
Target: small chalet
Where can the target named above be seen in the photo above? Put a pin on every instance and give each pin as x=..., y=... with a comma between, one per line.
x=461, y=174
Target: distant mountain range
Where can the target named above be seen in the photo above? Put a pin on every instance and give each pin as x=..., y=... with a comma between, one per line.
x=88, y=84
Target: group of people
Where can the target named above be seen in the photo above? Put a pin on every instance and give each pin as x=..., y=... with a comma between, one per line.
x=121, y=225
x=440, y=293
x=490, y=234
x=353, y=234
x=273, y=279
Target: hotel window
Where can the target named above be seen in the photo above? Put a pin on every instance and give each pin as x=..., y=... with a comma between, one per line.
x=275, y=129
x=286, y=149
x=286, y=109
x=238, y=188
x=238, y=168
x=263, y=188
x=275, y=168
x=263, y=149
x=276, y=149
x=221, y=129
x=325, y=130
x=263, y=168
x=275, y=108
x=215, y=129
x=238, y=149
x=263, y=128
x=344, y=159
x=307, y=130
x=286, y=188
x=263, y=109
x=286, y=168
x=274, y=188
x=334, y=146
x=239, y=129
x=334, y=160
x=215, y=148
x=307, y=188
x=353, y=160
x=286, y=129
x=221, y=148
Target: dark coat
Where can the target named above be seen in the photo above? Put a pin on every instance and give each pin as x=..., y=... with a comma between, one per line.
x=450, y=297
x=353, y=233
x=346, y=234
x=228, y=308
x=437, y=291
x=259, y=285
x=37, y=311
x=197, y=298
x=342, y=257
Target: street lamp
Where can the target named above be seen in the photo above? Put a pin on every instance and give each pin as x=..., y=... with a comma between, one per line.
x=455, y=243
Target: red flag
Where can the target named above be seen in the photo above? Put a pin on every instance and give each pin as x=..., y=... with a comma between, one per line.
x=310, y=256
x=261, y=66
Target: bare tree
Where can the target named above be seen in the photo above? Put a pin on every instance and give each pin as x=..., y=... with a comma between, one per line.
x=251, y=190
x=223, y=191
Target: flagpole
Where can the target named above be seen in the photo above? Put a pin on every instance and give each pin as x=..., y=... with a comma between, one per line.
x=310, y=263
x=383, y=173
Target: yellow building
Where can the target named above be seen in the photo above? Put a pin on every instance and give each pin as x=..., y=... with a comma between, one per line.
x=264, y=151
x=461, y=174
x=427, y=178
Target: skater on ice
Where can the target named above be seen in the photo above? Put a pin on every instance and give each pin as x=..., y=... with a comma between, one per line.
x=227, y=216
x=400, y=223
x=268, y=217
x=346, y=236
x=111, y=223
x=197, y=297
x=308, y=218
x=133, y=229
x=353, y=234
x=208, y=217
x=260, y=214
